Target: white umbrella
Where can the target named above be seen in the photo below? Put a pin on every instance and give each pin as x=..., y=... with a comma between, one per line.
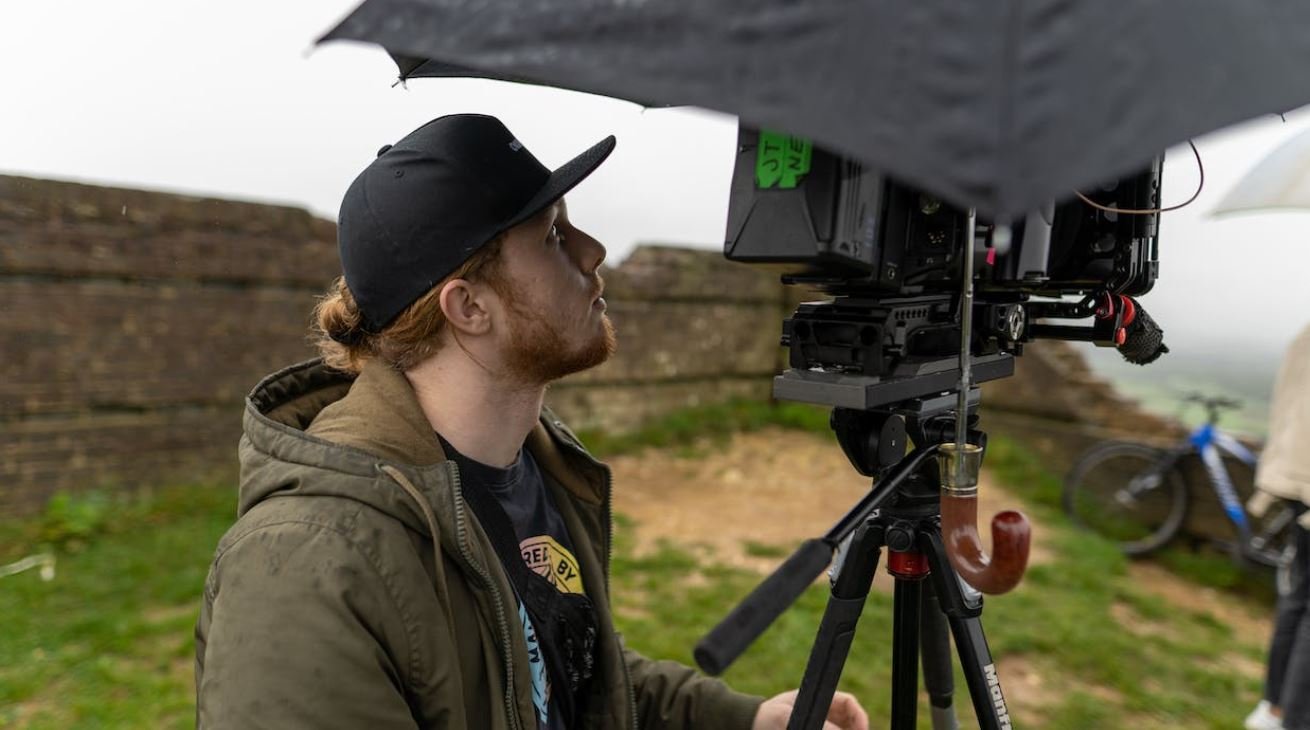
x=1280, y=180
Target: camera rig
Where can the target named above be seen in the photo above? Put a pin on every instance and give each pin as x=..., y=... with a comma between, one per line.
x=892, y=259
x=924, y=299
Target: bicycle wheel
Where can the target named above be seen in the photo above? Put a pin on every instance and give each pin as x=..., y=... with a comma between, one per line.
x=1129, y=493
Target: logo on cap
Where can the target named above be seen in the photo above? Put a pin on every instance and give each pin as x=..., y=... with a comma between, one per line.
x=515, y=145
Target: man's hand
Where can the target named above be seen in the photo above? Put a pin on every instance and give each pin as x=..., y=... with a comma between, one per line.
x=845, y=713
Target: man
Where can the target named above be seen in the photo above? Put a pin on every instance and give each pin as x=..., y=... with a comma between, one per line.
x=1284, y=472
x=421, y=543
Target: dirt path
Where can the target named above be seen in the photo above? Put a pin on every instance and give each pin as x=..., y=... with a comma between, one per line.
x=777, y=487
x=771, y=487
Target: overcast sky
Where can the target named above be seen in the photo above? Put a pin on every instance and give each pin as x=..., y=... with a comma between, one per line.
x=232, y=99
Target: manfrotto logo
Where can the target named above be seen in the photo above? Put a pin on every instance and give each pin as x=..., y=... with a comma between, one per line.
x=515, y=145
x=998, y=700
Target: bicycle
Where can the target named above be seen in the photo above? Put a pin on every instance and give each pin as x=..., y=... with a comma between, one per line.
x=1137, y=495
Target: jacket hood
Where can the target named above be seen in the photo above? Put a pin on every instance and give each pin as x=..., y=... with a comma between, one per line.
x=314, y=431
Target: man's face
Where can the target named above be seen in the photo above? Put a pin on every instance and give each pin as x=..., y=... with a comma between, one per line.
x=555, y=319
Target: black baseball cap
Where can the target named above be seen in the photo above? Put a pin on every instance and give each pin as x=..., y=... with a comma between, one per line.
x=431, y=200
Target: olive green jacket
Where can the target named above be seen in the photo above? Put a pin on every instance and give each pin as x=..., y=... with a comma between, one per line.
x=357, y=590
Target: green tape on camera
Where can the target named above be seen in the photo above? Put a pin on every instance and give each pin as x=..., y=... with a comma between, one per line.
x=782, y=161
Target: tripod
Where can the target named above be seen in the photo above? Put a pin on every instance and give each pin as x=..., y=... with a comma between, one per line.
x=903, y=514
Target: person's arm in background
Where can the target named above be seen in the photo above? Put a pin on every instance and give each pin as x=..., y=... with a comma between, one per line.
x=1284, y=468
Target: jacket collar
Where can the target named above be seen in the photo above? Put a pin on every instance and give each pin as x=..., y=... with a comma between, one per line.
x=312, y=416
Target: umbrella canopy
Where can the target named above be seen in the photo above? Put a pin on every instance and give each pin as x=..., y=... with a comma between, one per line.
x=1002, y=105
x=1280, y=180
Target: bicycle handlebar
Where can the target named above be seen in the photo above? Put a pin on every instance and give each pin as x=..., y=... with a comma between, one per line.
x=1212, y=402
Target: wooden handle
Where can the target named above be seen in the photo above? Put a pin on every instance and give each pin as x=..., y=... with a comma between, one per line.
x=1011, y=538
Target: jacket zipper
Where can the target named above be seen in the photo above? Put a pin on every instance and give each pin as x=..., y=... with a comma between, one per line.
x=607, y=514
x=609, y=555
x=502, y=624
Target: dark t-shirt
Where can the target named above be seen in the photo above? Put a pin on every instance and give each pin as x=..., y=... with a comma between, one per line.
x=543, y=542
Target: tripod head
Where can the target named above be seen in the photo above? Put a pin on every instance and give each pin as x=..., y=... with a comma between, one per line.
x=875, y=441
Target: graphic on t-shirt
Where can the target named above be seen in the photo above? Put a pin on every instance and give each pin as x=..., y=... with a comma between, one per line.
x=551, y=560
x=537, y=666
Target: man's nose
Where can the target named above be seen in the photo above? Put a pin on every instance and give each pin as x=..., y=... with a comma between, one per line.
x=591, y=253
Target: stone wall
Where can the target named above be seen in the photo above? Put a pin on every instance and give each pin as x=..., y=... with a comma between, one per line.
x=135, y=322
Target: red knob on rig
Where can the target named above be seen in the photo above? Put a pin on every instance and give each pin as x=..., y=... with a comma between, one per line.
x=907, y=566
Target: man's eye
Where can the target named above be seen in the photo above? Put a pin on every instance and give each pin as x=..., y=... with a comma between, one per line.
x=555, y=234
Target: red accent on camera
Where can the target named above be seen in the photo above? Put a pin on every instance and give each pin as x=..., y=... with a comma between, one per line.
x=1130, y=309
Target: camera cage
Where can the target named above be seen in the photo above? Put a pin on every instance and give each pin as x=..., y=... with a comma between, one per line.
x=891, y=258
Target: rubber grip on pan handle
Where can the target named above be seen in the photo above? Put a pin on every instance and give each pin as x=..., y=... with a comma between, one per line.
x=725, y=642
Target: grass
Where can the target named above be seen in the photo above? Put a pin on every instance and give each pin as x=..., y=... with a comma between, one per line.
x=1109, y=653
x=108, y=642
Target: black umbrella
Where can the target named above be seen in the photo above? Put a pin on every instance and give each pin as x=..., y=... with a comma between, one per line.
x=998, y=104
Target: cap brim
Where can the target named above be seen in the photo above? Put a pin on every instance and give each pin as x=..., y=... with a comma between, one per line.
x=564, y=179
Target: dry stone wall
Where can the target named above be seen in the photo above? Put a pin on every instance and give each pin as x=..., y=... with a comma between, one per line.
x=134, y=323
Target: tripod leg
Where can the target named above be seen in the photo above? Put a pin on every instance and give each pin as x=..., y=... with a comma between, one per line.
x=837, y=630
x=970, y=643
x=980, y=673
x=906, y=610
x=938, y=679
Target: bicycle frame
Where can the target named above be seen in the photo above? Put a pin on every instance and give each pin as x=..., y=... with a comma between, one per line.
x=1261, y=539
x=1211, y=444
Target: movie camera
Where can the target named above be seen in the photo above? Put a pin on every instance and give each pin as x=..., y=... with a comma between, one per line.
x=891, y=257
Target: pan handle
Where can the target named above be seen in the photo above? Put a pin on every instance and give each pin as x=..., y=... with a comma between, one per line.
x=1011, y=539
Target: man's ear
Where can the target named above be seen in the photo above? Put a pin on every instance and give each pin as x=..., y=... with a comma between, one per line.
x=464, y=306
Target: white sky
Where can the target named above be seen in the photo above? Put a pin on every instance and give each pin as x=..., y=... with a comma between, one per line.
x=231, y=99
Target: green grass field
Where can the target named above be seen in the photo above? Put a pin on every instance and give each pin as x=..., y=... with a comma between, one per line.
x=108, y=642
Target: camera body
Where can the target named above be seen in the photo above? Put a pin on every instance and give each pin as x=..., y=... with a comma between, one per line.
x=891, y=256
x=834, y=218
